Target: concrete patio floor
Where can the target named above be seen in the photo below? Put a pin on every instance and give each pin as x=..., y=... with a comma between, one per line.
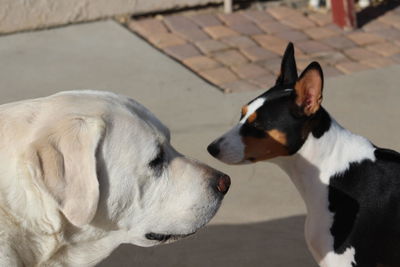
x=261, y=220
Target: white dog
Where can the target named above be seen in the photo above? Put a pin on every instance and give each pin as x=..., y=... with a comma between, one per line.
x=84, y=171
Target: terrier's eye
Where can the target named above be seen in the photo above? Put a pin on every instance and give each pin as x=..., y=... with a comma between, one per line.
x=258, y=124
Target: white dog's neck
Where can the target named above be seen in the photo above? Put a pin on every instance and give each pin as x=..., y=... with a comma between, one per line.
x=56, y=241
x=85, y=247
x=89, y=247
x=311, y=169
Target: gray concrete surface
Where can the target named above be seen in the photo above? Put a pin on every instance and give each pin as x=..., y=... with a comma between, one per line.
x=261, y=220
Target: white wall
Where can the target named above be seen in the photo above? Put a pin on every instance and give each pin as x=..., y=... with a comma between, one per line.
x=16, y=15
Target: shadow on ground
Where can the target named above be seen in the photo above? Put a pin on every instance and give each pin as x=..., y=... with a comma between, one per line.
x=372, y=12
x=276, y=243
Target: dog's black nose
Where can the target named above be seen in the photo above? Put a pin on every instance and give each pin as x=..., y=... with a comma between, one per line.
x=213, y=149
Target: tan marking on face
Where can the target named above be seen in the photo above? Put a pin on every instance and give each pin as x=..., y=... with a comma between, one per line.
x=252, y=117
x=244, y=110
x=273, y=145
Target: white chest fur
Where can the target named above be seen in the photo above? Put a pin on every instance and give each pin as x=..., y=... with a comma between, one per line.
x=310, y=170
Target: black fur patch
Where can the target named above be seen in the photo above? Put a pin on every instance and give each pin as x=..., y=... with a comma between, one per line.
x=321, y=123
x=365, y=201
x=279, y=112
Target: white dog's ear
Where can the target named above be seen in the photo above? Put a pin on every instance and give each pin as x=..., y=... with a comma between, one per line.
x=65, y=155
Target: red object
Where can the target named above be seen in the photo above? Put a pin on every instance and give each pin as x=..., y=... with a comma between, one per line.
x=344, y=13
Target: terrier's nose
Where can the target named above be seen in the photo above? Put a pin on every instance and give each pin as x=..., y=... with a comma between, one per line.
x=223, y=183
x=213, y=149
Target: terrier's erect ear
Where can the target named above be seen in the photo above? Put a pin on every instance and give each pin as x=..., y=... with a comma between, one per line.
x=288, y=73
x=309, y=89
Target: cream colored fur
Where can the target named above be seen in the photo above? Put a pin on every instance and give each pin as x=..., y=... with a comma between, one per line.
x=75, y=180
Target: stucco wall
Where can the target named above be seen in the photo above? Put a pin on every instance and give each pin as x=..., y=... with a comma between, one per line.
x=16, y=15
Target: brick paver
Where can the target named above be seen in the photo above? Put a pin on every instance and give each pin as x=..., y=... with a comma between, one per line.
x=210, y=46
x=218, y=32
x=388, y=33
x=272, y=43
x=264, y=81
x=273, y=65
x=257, y=16
x=298, y=22
x=350, y=67
x=338, y=42
x=219, y=76
x=331, y=57
x=272, y=27
x=242, y=51
x=292, y=35
x=386, y=49
x=234, y=18
x=248, y=71
x=164, y=40
x=334, y=27
x=205, y=20
x=391, y=20
x=148, y=27
x=312, y=47
x=364, y=38
x=360, y=54
x=180, y=23
x=376, y=26
x=238, y=41
x=182, y=52
x=247, y=28
x=378, y=62
x=320, y=19
x=201, y=63
x=282, y=12
x=185, y=27
x=320, y=33
x=256, y=53
x=230, y=57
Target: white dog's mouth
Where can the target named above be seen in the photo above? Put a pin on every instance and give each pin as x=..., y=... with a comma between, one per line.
x=165, y=237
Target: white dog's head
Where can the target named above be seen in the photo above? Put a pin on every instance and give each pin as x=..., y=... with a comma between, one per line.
x=108, y=162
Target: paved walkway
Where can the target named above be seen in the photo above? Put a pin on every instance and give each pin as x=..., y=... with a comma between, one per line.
x=241, y=51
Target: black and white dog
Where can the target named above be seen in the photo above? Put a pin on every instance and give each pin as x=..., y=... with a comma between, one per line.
x=351, y=188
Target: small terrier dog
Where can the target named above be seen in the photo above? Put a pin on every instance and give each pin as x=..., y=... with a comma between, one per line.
x=351, y=188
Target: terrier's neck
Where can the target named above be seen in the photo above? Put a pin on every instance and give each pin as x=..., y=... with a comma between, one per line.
x=312, y=167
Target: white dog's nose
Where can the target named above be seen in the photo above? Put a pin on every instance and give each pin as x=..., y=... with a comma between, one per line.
x=223, y=183
x=220, y=182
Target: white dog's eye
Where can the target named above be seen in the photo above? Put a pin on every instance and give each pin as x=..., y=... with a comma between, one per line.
x=157, y=163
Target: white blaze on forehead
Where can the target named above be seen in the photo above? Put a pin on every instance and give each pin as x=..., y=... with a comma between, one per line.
x=252, y=107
